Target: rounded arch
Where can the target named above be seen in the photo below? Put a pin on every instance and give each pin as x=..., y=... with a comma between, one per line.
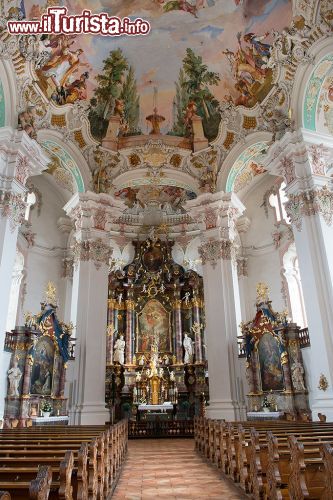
x=239, y=158
x=70, y=157
x=308, y=83
x=8, y=95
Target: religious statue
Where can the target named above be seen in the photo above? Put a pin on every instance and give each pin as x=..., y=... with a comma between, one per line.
x=142, y=360
x=172, y=377
x=297, y=375
x=138, y=377
x=186, y=298
x=119, y=350
x=188, y=346
x=120, y=298
x=14, y=377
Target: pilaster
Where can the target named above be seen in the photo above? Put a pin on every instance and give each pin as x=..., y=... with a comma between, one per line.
x=92, y=215
x=218, y=214
x=303, y=159
x=20, y=157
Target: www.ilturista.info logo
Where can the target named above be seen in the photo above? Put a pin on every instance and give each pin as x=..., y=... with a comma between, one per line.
x=57, y=20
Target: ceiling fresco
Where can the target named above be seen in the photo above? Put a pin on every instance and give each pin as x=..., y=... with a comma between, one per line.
x=192, y=60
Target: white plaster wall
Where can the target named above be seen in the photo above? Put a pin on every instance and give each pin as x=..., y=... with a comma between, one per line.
x=263, y=259
x=44, y=258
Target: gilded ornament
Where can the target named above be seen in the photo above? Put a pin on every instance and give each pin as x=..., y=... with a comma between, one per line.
x=50, y=293
x=323, y=383
x=262, y=292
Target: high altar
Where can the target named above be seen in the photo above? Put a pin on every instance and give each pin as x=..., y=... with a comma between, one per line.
x=155, y=334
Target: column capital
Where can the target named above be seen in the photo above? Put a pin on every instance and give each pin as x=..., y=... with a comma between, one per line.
x=95, y=250
x=91, y=211
x=20, y=157
x=303, y=159
x=216, y=211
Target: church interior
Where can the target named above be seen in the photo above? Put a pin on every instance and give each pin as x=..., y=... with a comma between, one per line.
x=166, y=242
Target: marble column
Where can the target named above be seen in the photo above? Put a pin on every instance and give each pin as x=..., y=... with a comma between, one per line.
x=92, y=215
x=177, y=325
x=129, y=350
x=20, y=158
x=218, y=213
x=198, y=329
x=302, y=158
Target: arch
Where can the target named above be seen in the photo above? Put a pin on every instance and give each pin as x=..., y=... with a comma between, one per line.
x=70, y=157
x=308, y=84
x=238, y=162
x=8, y=95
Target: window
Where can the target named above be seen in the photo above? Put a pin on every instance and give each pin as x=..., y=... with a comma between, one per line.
x=15, y=291
x=278, y=201
x=292, y=275
x=31, y=200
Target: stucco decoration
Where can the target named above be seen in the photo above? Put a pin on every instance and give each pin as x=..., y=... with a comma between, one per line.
x=247, y=166
x=2, y=107
x=318, y=101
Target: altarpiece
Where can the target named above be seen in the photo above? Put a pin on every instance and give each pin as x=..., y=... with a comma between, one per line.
x=39, y=351
x=274, y=365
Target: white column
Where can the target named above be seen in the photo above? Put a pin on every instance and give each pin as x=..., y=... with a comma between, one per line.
x=302, y=159
x=218, y=213
x=20, y=158
x=92, y=216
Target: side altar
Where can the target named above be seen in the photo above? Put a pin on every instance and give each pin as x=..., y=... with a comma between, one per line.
x=274, y=365
x=155, y=333
x=37, y=374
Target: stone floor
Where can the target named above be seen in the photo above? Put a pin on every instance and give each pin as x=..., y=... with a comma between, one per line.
x=170, y=468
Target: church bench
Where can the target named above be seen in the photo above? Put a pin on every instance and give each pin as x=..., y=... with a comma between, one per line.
x=251, y=460
x=38, y=488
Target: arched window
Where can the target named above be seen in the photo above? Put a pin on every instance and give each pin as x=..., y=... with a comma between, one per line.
x=15, y=291
x=31, y=200
x=277, y=201
x=292, y=275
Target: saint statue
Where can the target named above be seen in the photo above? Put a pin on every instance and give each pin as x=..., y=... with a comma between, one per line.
x=119, y=350
x=297, y=375
x=188, y=346
x=14, y=377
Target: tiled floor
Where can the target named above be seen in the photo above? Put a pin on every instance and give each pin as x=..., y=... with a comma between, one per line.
x=170, y=468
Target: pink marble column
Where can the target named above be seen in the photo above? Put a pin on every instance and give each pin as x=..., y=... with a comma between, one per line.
x=197, y=330
x=129, y=332
x=177, y=323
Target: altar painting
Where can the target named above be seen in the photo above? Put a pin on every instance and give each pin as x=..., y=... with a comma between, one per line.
x=154, y=327
x=270, y=364
x=42, y=369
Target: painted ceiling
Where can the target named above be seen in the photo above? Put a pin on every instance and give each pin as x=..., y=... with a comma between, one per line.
x=230, y=38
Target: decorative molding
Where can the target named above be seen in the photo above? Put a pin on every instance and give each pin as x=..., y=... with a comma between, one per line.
x=242, y=269
x=12, y=205
x=95, y=250
x=287, y=169
x=67, y=267
x=23, y=170
x=310, y=202
x=214, y=250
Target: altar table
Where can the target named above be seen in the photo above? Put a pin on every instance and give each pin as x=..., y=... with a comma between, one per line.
x=263, y=415
x=56, y=420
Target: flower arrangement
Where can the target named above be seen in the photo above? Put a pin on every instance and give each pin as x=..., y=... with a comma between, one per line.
x=265, y=403
x=46, y=407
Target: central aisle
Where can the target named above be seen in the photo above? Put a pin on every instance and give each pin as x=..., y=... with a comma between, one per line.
x=170, y=468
